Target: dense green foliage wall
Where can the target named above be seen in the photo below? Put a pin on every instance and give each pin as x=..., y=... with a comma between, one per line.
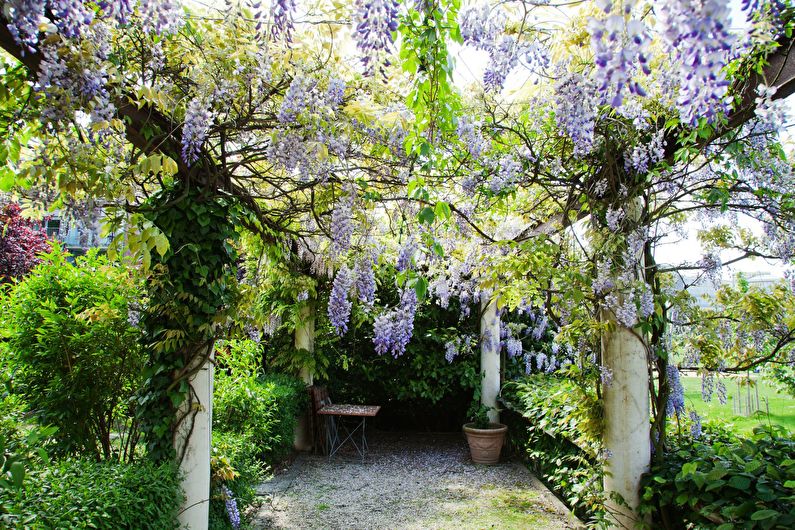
x=556, y=425
x=419, y=390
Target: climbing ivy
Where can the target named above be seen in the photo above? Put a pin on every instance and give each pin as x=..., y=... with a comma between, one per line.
x=191, y=288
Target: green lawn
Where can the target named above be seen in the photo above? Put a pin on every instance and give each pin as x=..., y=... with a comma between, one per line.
x=781, y=406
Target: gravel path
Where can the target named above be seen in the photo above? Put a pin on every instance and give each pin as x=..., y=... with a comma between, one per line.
x=408, y=481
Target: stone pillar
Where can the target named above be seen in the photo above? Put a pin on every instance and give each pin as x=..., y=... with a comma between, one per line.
x=195, y=466
x=305, y=340
x=490, y=356
x=627, y=434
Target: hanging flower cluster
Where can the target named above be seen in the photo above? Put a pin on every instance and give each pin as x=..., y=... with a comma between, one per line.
x=364, y=272
x=392, y=331
x=700, y=47
x=339, y=304
x=342, y=225
x=197, y=124
x=283, y=25
x=620, y=46
x=374, y=23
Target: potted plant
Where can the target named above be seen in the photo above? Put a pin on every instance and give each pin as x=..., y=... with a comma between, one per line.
x=485, y=438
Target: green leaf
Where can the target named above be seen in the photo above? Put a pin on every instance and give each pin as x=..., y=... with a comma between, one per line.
x=17, y=470
x=740, y=483
x=426, y=216
x=421, y=288
x=442, y=210
x=760, y=515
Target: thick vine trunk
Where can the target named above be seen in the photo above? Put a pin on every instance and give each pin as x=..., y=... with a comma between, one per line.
x=627, y=430
x=490, y=356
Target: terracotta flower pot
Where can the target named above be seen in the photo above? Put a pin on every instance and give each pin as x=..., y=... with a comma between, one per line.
x=485, y=444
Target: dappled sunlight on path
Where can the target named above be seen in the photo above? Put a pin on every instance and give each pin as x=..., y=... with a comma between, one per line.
x=408, y=481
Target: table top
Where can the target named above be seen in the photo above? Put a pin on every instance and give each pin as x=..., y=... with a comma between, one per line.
x=350, y=410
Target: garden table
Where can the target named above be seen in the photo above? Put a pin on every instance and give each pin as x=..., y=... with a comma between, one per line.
x=360, y=413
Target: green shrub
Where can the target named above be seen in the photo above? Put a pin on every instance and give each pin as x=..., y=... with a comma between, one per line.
x=721, y=481
x=558, y=426
x=83, y=494
x=264, y=408
x=75, y=357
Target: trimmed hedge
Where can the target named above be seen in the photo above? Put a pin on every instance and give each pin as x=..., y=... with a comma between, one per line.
x=84, y=494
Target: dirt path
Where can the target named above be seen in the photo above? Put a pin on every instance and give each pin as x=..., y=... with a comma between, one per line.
x=408, y=481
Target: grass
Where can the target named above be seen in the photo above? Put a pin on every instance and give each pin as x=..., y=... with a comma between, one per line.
x=781, y=406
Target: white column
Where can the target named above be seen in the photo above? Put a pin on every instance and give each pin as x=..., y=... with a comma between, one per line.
x=305, y=340
x=195, y=466
x=490, y=356
x=627, y=434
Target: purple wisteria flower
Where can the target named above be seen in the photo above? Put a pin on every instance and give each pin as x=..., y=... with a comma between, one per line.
x=231, y=507
x=71, y=17
x=646, y=303
x=342, y=225
x=469, y=133
x=450, y=351
x=707, y=386
x=118, y=10
x=406, y=255
x=507, y=174
x=374, y=21
x=720, y=389
x=575, y=110
x=335, y=93
x=283, y=25
x=701, y=47
x=676, y=392
x=161, y=17
x=295, y=100
x=364, y=272
x=24, y=17
x=392, y=331
x=197, y=124
x=513, y=347
x=695, y=425
x=619, y=49
x=339, y=304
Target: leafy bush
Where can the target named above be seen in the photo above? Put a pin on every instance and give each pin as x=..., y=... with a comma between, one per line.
x=75, y=355
x=83, y=494
x=559, y=431
x=264, y=408
x=721, y=481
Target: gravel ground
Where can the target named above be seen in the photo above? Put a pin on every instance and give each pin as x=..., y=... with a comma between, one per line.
x=408, y=481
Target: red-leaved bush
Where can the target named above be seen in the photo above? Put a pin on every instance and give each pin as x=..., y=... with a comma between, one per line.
x=21, y=242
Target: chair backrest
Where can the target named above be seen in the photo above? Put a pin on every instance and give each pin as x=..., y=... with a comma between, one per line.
x=320, y=398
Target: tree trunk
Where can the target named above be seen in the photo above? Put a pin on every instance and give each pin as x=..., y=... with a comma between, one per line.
x=627, y=431
x=490, y=356
x=194, y=440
